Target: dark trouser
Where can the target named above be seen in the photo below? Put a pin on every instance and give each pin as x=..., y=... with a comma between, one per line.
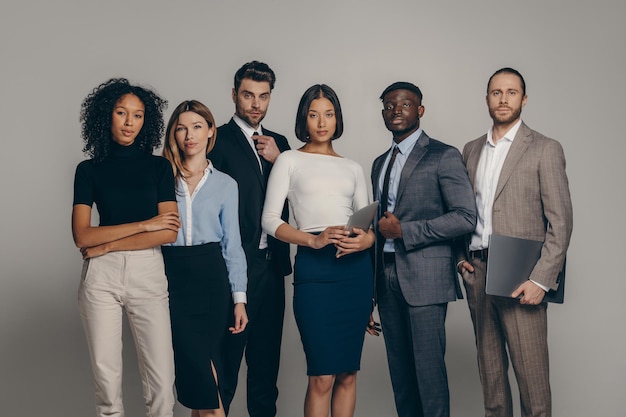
x=260, y=341
x=415, y=338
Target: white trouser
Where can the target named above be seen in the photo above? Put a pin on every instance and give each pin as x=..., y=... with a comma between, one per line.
x=134, y=281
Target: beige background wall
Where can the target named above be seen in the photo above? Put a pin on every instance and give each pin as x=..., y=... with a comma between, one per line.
x=53, y=53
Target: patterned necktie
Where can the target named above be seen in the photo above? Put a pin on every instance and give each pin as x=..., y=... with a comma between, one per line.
x=384, y=196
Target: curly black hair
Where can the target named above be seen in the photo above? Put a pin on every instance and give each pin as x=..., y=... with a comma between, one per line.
x=97, y=111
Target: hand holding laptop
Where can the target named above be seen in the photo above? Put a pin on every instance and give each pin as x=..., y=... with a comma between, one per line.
x=510, y=264
x=529, y=293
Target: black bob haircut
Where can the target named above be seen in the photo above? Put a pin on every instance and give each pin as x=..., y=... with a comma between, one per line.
x=402, y=85
x=312, y=93
x=97, y=111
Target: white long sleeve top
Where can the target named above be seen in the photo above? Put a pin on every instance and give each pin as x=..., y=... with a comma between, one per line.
x=322, y=190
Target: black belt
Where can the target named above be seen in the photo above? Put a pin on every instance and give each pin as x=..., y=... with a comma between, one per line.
x=389, y=257
x=481, y=254
x=265, y=254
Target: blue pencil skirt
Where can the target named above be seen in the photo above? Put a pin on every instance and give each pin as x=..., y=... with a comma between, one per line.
x=332, y=302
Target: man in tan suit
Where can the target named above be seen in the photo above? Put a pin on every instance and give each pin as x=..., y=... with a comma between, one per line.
x=522, y=191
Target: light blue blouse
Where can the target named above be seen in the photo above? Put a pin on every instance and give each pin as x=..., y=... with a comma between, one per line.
x=211, y=214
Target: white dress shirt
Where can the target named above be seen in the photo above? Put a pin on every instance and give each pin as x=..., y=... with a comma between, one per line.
x=487, y=175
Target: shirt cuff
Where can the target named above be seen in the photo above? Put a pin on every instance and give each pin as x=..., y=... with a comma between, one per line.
x=240, y=297
x=458, y=264
x=543, y=287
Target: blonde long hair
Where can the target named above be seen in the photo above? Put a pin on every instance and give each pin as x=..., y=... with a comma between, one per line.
x=171, y=151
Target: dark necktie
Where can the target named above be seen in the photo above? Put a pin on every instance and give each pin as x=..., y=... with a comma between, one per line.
x=384, y=196
x=265, y=165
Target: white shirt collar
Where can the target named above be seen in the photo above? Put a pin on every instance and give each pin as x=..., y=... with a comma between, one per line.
x=246, y=128
x=510, y=135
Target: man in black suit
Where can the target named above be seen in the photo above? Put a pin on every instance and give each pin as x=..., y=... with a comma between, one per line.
x=246, y=151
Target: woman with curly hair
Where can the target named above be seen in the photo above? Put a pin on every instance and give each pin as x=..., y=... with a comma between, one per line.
x=206, y=263
x=123, y=268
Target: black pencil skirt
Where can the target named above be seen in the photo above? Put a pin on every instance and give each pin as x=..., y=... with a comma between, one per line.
x=199, y=310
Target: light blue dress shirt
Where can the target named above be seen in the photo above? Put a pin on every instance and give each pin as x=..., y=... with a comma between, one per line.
x=404, y=149
x=211, y=214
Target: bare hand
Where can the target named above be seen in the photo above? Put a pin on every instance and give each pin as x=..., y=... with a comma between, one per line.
x=389, y=226
x=331, y=235
x=267, y=148
x=241, y=319
x=169, y=221
x=532, y=293
x=361, y=241
x=464, y=267
x=94, y=251
x=373, y=328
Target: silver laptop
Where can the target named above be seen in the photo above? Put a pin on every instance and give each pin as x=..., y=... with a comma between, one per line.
x=510, y=263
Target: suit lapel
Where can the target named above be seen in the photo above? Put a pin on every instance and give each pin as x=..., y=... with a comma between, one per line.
x=418, y=152
x=376, y=171
x=246, y=150
x=473, y=157
x=522, y=140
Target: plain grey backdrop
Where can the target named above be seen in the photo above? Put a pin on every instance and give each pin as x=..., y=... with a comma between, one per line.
x=571, y=52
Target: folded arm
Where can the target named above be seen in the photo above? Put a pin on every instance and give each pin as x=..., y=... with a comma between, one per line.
x=98, y=240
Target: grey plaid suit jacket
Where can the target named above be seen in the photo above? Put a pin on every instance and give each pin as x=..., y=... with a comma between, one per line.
x=532, y=199
x=435, y=205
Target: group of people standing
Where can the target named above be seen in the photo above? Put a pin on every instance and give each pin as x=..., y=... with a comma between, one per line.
x=194, y=246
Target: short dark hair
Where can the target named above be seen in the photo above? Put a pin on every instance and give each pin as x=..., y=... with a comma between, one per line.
x=312, y=93
x=402, y=85
x=256, y=71
x=96, y=115
x=508, y=70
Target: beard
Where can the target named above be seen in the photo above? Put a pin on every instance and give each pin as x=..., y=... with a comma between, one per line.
x=403, y=130
x=505, y=119
x=253, y=121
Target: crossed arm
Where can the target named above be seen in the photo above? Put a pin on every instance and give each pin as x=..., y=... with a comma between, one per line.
x=95, y=241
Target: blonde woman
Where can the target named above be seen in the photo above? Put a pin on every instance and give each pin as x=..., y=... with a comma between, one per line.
x=206, y=264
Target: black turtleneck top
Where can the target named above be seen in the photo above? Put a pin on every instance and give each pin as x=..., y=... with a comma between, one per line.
x=126, y=186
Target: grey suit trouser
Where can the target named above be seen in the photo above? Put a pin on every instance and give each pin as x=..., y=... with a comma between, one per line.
x=415, y=339
x=501, y=323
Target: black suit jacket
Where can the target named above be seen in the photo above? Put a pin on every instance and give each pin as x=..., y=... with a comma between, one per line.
x=233, y=155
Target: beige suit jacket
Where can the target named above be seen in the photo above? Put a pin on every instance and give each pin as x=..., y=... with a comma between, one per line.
x=532, y=199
